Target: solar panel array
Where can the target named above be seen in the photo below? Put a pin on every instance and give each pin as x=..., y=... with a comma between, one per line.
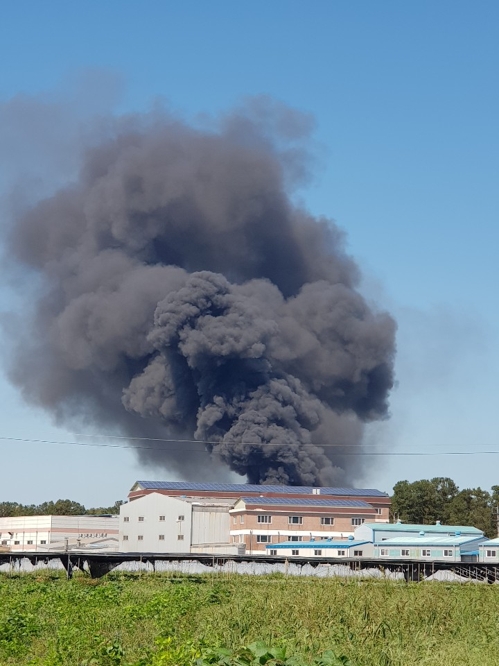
x=287, y=501
x=243, y=488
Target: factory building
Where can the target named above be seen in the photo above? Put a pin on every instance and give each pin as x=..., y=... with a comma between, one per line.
x=233, y=491
x=257, y=522
x=376, y=532
x=157, y=523
x=44, y=533
x=430, y=547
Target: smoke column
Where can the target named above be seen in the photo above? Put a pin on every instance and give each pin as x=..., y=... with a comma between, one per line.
x=183, y=294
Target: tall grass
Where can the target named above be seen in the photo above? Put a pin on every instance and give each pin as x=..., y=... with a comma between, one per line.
x=173, y=620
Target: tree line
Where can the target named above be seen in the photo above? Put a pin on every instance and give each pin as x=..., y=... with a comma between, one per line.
x=429, y=500
x=62, y=507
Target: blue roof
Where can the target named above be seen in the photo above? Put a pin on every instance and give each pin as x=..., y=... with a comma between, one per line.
x=292, y=501
x=244, y=488
x=491, y=542
x=318, y=545
x=430, y=540
x=433, y=529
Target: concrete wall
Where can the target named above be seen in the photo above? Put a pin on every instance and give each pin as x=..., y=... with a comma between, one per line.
x=155, y=523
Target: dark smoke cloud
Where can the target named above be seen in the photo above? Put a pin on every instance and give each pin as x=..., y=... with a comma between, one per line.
x=183, y=294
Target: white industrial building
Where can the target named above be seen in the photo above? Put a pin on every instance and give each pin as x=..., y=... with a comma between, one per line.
x=489, y=551
x=44, y=533
x=157, y=523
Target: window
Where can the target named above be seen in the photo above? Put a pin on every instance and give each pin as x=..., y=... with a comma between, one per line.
x=125, y=537
x=29, y=543
x=404, y=552
x=16, y=543
x=241, y=519
x=383, y=552
x=273, y=552
x=43, y=541
x=141, y=519
x=357, y=521
x=491, y=553
x=140, y=537
x=180, y=537
x=448, y=553
x=161, y=537
x=180, y=518
x=162, y=518
x=357, y=553
x=295, y=520
x=4, y=543
x=295, y=538
x=234, y=520
x=378, y=511
x=265, y=519
x=327, y=520
x=263, y=538
x=318, y=552
x=126, y=519
x=341, y=553
x=426, y=552
x=295, y=552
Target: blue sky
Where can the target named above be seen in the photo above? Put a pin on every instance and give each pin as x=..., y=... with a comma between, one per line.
x=405, y=101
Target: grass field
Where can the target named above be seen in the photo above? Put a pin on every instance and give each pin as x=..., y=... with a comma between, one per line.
x=156, y=620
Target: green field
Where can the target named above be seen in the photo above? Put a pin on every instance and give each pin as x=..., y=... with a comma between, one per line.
x=153, y=620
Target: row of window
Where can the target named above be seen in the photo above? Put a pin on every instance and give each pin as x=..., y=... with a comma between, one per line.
x=296, y=520
x=141, y=519
x=318, y=553
x=405, y=552
x=30, y=542
x=161, y=537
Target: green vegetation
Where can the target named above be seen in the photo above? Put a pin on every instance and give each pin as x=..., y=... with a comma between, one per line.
x=61, y=507
x=231, y=620
x=427, y=501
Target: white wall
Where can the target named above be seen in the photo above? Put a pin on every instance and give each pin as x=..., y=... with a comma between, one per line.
x=176, y=533
x=210, y=524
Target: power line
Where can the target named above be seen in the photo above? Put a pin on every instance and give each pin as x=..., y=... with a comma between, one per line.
x=203, y=442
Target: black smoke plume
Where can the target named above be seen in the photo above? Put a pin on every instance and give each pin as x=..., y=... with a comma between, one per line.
x=183, y=294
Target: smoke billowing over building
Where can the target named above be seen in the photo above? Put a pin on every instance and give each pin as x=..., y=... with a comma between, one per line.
x=182, y=294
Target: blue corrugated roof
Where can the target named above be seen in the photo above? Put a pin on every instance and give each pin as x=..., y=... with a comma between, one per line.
x=254, y=488
x=434, y=529
x=318, y=545
x=491, y=542
x=429, y=540
x=292, y=501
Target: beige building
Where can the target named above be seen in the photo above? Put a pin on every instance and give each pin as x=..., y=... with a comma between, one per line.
x=257, y=522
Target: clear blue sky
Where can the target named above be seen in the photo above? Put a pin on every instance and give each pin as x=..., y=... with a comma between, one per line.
x=406, y=101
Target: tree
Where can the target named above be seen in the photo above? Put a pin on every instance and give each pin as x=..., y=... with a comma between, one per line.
x=424, y=501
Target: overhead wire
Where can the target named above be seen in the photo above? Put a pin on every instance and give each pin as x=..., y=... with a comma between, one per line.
x=183, y=446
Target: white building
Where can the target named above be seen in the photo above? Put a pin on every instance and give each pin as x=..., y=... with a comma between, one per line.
x=376, y=532
x=43, y=533
x=489, y=551
x=430, y=548
x=157, y=523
